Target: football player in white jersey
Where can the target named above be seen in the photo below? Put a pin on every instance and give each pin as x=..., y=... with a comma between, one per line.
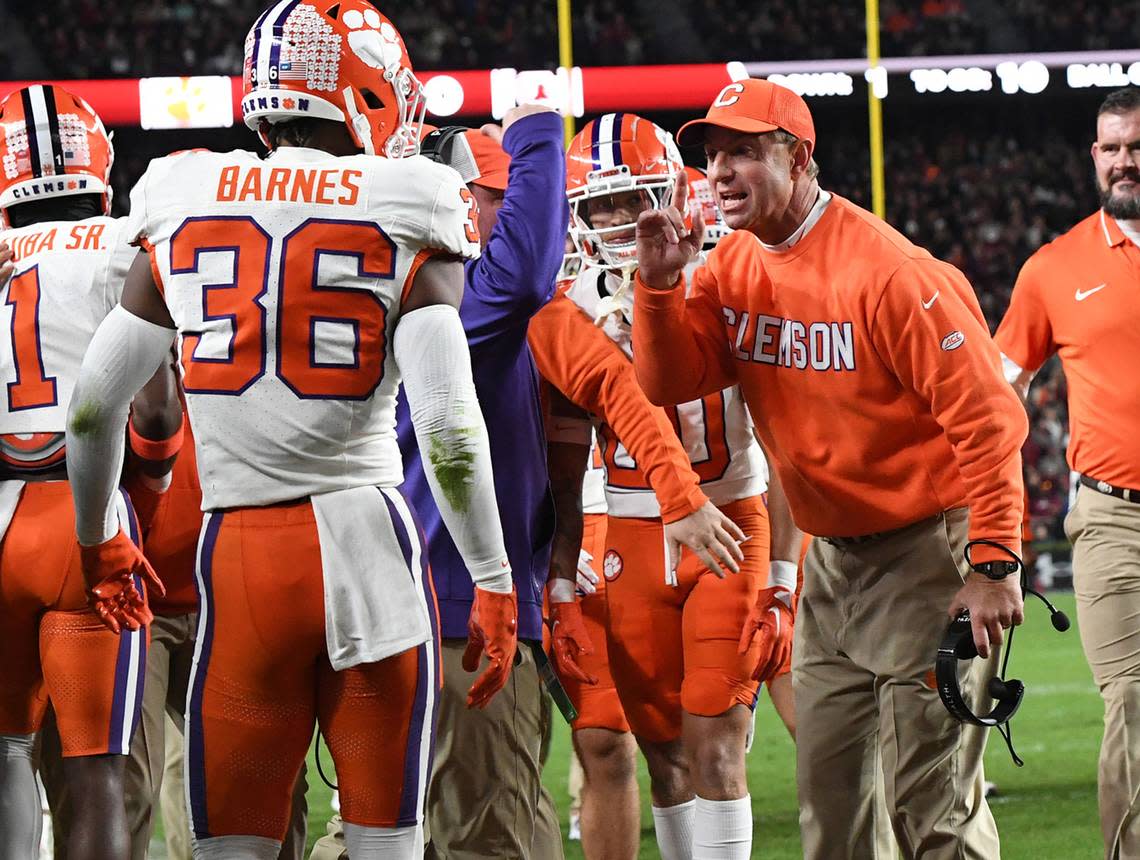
x=686, y=676
x=304, y=287
x=55, y=645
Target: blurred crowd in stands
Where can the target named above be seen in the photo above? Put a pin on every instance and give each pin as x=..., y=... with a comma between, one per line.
x=980, y=198
x=170, y=36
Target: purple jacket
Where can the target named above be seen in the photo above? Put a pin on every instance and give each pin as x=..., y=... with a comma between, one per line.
x=504, y=288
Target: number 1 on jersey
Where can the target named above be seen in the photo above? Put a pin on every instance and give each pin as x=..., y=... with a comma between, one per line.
x=33, y=388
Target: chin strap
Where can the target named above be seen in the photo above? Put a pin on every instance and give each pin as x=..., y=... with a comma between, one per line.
x=612, y=305
x=359, y=122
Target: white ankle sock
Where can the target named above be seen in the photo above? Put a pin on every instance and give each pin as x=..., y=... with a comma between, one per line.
x=19, y=798
x=383, y=843
x=722, y=829
x=236, y=848
x=674, y=828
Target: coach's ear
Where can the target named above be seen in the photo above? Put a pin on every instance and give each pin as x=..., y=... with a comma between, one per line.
x=802, y=151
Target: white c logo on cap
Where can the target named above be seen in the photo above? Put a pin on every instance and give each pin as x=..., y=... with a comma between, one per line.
x=730, y=95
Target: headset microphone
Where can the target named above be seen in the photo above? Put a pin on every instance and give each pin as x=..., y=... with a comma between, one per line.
x=1059, y=619
x=958, y=644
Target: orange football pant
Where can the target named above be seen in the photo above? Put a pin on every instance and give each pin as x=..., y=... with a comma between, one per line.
x=172, y=539
x=262, y=678
x=675, y=648
x=598, y=704
x=52, y=646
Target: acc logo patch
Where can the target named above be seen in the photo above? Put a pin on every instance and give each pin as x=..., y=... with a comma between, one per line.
x=612, y=565
x=953, y=340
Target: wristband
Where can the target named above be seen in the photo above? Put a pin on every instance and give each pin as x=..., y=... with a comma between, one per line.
x=560, y=591
x=155, y=449
x=782, y=574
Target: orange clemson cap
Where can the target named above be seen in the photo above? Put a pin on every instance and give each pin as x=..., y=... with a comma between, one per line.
x=491, y=160
x=753, y=106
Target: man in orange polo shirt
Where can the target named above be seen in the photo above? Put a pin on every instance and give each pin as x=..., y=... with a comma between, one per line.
x=879, y=397
x=1078, y=296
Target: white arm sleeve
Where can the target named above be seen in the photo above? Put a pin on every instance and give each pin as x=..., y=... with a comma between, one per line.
x=124, y=353
x=431, y=351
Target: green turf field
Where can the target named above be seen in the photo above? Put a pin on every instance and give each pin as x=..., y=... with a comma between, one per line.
x=1045, y=811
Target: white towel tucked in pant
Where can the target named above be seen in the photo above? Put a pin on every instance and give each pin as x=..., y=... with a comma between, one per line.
x=375, y=604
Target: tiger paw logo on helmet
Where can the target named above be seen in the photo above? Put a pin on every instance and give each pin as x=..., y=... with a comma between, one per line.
x=612, y=565
x=340, y=61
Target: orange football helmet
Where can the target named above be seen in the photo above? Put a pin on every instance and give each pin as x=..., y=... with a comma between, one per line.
x=340, y=61
x=703, y=201
x=53, y=145
x=614, y=154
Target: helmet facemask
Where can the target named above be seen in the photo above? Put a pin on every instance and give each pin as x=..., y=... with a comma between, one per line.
x=614, y=246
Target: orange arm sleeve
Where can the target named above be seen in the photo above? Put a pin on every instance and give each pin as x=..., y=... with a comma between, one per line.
x=588, y=368
x=680, y=348
x=941, y=349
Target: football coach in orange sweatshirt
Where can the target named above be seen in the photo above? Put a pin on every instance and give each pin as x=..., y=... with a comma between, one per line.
x=879, y=395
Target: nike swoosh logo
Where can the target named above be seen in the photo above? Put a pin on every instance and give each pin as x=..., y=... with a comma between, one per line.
x=1080, y=295
x=926, y=305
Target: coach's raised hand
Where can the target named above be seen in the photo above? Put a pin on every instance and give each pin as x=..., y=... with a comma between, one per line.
x=664, y=244
x=492, y=631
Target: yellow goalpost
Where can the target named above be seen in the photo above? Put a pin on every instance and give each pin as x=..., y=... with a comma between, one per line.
x=565, y=58
x=875, y=114
x=874, y=103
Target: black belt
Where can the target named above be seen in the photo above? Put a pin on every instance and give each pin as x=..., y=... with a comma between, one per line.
x=857, y=540
x=1109, y=490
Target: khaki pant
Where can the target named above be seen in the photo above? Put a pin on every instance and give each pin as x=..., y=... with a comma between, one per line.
x=1105, y=532
x=870, y=620
x=168, y=661
x=172, y=797
x=574, y=783
x=486, y=798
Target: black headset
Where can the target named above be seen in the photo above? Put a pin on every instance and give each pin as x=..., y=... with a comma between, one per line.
x=958, y=644
x=437, y=145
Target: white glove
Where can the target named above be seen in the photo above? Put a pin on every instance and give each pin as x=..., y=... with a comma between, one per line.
x=587, y=579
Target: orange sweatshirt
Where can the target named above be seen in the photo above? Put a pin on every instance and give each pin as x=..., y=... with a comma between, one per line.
x=593, y=373
x=868, y=368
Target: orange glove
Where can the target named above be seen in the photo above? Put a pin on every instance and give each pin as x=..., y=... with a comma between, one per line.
x=109, y=569
x=492, y=630
x=770, y=624
x=569, y=639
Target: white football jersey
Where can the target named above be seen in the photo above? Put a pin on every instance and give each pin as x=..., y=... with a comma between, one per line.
x=68, y=276
x=285, y=278
x=594, y=481
x=715, y=431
